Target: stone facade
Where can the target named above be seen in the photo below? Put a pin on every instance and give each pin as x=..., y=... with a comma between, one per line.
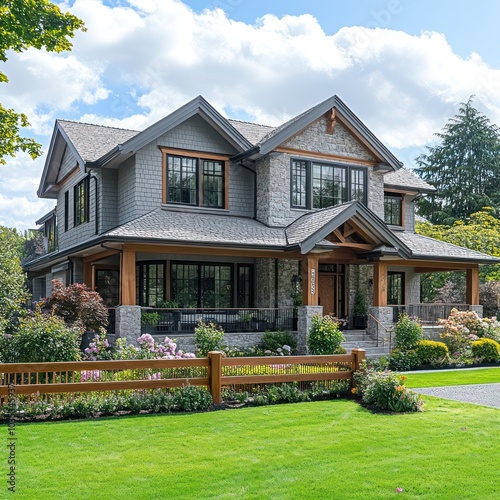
x=380, y=324
x=304, y=323
x=128, y=323
x=268, y=274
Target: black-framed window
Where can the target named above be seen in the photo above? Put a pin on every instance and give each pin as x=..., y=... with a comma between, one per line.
x=317, y=184
x=50, y=232
x=66, y=210
x=108, y=286
x=150, y=283
x=201, y=285
x=395, y=288
x=81, y=202
x=245, y=285
x=393, y=209
x=195, y=181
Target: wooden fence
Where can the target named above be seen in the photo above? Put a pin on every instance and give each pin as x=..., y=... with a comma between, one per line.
x=214, y=372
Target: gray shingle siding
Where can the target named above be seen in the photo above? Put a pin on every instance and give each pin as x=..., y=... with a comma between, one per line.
x=108, y=200
x=68, y=163
x=83, y=232
x=241, y=191
x=127, y=191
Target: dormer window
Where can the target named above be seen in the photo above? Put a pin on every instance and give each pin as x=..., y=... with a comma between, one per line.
x=320, y=184
x=198, y=180
x=393, y=209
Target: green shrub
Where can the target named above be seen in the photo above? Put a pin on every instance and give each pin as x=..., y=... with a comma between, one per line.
x=404, y=360
x=150, y=318
x=487, y=349
x=325, y=336
x=41, y=338
x=191, y=398
x=208, y=337
x=272, y=341
x=384, y=390
x=407, y=333
x=430, y=351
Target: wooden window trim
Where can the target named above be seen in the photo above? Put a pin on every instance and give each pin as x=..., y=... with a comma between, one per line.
x=199, y=156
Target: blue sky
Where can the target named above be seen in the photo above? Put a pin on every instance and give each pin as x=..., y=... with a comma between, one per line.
x=403, y=66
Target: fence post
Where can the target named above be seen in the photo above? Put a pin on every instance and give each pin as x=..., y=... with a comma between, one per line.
x=215, y=375
x=357, y=357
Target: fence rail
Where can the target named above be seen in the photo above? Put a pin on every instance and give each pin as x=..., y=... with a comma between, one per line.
x=213, y=372
x=178, y=321
x=428, y=314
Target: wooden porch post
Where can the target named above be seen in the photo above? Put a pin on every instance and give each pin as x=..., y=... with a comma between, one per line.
x=88, y=275
x=127, y=277
x=310, y=280
x=472, y=289
x=380, y=284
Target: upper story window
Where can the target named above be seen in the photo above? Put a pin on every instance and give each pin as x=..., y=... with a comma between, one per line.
x=50, y=233
x=320, y=185
x=199, y=180
x=393, y=209
x=81, y=202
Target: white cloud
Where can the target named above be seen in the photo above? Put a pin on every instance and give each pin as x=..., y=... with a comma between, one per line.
x=142, y=59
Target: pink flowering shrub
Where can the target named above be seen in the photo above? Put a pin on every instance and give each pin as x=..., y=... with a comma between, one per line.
x=462, y=328
x=90, y=376
x=150, y=349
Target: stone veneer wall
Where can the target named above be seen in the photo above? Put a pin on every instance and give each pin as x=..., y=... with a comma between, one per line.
x=265, y=282
x=273, y=172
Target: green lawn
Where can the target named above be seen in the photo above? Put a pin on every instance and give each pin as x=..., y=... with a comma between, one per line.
x=453, y=377
x=332, y=450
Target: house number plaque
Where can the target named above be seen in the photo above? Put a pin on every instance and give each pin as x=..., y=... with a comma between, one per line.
x=313, y=281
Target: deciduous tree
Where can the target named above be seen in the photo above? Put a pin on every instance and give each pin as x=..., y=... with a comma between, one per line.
x=23, y=24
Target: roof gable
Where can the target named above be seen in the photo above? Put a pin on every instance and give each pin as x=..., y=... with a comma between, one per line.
x=336, y=110
x=314, y=227
x=198, y=106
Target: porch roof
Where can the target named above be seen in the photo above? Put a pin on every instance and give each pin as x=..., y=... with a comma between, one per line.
x=424, y=247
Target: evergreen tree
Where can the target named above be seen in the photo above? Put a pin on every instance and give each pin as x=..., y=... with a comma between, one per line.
x=464, y=168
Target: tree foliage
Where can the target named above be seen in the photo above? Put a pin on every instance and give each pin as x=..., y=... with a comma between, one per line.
x=23, y=24
x=464, y=167
x=480, y=232
x=13, y=291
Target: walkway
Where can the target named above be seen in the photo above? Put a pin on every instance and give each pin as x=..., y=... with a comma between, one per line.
x=480, y=394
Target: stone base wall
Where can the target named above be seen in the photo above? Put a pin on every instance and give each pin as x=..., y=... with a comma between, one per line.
x=304, y=322
x=128, y=323
x=380, y=323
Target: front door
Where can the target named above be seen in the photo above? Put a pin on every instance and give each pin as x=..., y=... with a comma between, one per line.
x=331, y=289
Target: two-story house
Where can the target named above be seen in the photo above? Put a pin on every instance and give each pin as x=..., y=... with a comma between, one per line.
x=205, y=213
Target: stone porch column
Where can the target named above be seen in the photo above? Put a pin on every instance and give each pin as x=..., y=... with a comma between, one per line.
x=304, y=322
x=478, y=309
x=380, y=324
x=128, y=323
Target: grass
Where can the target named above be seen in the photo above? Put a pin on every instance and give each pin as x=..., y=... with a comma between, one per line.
x=453, y=377
x=332, y=449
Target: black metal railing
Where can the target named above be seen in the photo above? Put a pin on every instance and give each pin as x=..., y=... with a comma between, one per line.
x=428, y=314
x=175, y=321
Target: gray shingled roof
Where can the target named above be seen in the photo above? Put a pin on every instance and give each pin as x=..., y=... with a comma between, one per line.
x=309, y=223
x=94, y=141
x=192, y=228
x=253, y=132
x=429, y=248
x=171, y=226
x=406, y=178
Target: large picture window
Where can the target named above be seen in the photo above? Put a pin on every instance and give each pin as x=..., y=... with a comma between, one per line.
x=50, y=231
x=201, y=285
x=81, y=202
x=198, y=181
x=320, y=185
